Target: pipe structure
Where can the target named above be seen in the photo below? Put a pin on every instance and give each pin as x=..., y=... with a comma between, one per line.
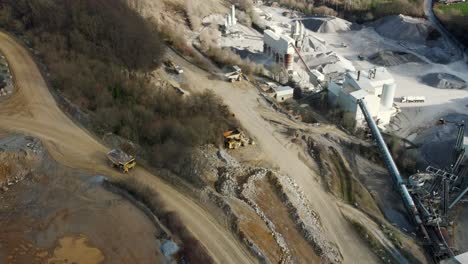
x=392, y=168
x=389, y=163
x=458, y=198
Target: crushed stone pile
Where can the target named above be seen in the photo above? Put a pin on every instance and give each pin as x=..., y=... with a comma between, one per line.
x=390, y=58
x=327, y=24
x=404, y=28
x=313, y=44
x=443, y=81
x=438, y=55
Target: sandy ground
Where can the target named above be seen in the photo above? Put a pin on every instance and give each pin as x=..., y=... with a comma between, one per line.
x=59, y=214
x=242, y=98
x=32, y=110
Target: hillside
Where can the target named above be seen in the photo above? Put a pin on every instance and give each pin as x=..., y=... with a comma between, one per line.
x=455, y=19
x=302, y=186
x=364, y=10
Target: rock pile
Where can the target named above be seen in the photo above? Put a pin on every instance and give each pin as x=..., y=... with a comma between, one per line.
x=327, y=24
x=443, y=81
x=307, y=220
x=404, y=28
x=390, y=58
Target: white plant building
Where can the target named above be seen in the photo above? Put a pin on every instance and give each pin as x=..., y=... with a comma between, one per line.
x=280, y=47
x=376, y=86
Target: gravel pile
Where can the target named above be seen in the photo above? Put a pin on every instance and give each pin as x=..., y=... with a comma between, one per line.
x=232, y=174
x=404, y=28
x=443, y=81
x=327, y=24
x=226, y=184
x=390, y=58
x=228, y=159
x=438, y=55
x=249, y=191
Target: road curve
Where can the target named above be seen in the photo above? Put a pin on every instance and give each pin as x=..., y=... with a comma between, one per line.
x=32, y=110
x=242, y=99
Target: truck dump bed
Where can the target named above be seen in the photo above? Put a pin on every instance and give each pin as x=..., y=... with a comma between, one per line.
x=232, y=134
x=117, y=156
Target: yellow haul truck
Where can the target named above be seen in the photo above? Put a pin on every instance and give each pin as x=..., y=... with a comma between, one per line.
x=121, y=160
x=234, y=139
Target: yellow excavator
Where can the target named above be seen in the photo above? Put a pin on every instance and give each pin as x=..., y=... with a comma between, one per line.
x=121, y=160
x=235, y=138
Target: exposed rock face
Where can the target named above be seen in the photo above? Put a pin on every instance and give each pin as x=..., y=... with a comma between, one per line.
x=226, y=185
x=306, y=219
x=237, y=181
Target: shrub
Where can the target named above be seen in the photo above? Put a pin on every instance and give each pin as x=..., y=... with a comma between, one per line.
x=99, y=60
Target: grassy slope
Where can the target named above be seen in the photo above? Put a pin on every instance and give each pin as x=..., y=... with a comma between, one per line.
x=462, y=7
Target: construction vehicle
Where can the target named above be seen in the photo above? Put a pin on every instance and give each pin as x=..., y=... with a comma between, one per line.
x=234, y=139
x=173, y=67
x=413, y=99
x=121, y=160
x=236, y=75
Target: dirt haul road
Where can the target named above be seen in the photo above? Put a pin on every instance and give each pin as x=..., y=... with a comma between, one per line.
x=242, y=99
x=32, y=110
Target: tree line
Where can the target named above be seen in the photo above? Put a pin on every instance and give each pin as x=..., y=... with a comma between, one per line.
x=357, y=10
x=99, y=54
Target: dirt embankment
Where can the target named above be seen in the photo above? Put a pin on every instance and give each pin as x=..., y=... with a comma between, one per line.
x=339, y=158
x=292, y=228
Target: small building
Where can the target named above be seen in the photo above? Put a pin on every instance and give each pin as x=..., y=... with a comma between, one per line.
x=283, y=93
x=376, y=86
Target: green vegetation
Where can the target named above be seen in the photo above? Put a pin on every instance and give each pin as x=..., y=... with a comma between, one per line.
x=455, y=19
x=100, y=61
x=461, y=7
